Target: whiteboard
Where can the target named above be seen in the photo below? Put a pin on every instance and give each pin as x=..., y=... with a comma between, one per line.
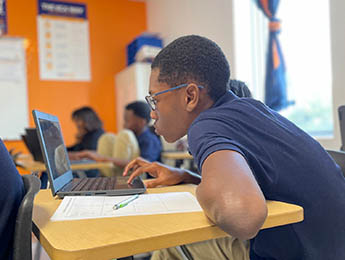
x=13, y=88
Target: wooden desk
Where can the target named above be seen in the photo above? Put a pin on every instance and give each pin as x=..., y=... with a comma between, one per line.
x=176, y=155
x=109, y=238
x=26, y=161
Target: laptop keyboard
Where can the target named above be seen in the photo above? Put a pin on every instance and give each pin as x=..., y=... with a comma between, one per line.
x=84, y=184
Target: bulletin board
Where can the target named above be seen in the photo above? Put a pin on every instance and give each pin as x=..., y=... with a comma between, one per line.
x=13, y=88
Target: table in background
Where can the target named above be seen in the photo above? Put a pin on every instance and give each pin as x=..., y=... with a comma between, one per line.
x=176, y=155
x=26, y=161
x=107, y=238
x=179, y=157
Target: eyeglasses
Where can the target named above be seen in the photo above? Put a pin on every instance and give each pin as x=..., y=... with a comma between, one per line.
x=151, y=98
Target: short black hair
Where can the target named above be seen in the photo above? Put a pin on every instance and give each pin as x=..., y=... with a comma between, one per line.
x=140, y=109
x=240, y=88
x=194, y=59
x=89, y=117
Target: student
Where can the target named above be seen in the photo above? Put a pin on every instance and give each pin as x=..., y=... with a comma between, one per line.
x=89, y=129
x=239, y=88
x=12, y=192
x=136, y=119
x=246, y=154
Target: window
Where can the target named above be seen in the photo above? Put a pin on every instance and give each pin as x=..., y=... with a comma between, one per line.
x=305, y=41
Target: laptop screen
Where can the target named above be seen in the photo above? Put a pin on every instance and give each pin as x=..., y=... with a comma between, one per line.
x=53, y=149
x=57, y=155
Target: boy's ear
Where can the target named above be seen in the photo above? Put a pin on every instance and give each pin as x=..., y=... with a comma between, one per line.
x=192, y=97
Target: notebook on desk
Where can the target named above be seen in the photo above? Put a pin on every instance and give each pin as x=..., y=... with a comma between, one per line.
x=59, y=170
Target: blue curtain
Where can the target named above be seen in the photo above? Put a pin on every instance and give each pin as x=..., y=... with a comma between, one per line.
x=275, y=82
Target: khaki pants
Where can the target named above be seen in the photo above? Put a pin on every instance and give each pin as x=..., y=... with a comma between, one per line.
x=221, y=248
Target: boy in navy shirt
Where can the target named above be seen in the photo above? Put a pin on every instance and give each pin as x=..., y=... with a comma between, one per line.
x=246, y=153
x=11, y=195
x=136, y=119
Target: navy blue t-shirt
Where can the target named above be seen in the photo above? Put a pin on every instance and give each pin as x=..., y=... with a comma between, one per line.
x=289, y=166
x=11, y=194
x=150, y=146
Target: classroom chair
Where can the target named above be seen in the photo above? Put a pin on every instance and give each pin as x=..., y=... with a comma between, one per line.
x=339, y=158
x=341, y=116
x=124, y=145
x=106, y=144
x=23, y=227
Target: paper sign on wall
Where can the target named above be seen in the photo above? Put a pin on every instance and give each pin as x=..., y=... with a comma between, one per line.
x=63, y=36
x=3, y=18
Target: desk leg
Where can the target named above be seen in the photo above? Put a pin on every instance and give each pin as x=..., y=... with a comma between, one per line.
x=184, y=252
x=38, y=248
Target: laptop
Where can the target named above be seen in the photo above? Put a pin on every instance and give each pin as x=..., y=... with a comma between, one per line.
x=32, y=143
x=62, y=182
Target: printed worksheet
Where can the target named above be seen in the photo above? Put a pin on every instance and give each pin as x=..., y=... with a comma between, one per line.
x=86, y=207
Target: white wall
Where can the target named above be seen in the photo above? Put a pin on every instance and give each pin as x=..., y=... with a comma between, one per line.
x=213, y=19
x=337, y=9
x=209, y=18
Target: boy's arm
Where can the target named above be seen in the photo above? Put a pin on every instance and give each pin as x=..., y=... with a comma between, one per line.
x=230, y=195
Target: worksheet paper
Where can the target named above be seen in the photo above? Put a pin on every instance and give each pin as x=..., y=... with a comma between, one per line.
x=85, y=207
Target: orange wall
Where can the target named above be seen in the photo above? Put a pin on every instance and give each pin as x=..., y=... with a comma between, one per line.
x=112, y=25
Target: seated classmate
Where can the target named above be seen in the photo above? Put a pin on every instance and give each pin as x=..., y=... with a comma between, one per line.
x=12, y=193
x=89, y=127
x=239, y=88
x=246, y=153
x=136, y=119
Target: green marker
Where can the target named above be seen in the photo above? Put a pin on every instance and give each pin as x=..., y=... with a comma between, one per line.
x=125, y=202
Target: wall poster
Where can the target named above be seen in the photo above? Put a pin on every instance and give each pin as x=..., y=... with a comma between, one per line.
x=63, y=38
